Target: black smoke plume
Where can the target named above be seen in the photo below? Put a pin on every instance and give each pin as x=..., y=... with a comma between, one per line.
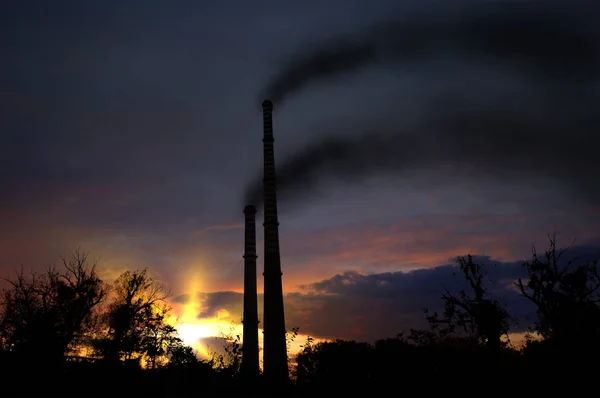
x=480, y=144
x=556, y=40
x=548, y=135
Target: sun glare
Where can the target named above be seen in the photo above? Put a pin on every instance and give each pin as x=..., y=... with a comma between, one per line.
x=202, y=333
x=194, y=331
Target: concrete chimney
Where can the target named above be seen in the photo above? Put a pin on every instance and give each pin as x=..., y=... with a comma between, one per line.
x=250, y=365
x=275, y=366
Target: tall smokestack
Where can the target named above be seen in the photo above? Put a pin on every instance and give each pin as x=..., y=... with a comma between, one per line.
x=250, y=364
x=275, y=366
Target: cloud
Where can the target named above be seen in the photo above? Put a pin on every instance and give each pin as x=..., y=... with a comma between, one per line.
x=354, y=305
x=368, y=307
x=393, y=239
x=212, y=305
x=389, y=237
x=407, y=243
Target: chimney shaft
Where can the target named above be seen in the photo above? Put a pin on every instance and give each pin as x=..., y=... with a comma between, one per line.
x=250, y=365
x=275, y=366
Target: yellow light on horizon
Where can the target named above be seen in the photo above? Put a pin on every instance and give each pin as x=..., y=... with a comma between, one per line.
x=194, y=334
x=196, y=331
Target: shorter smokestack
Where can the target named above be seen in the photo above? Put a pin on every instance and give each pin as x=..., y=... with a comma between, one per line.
x=250, y=364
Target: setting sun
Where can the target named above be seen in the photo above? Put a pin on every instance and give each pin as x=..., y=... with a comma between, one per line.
x=203, y=333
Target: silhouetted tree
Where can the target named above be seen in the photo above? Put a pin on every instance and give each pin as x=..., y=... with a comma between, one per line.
x=135, y=320
x=157, y=337
x=567, y=297
x=290, y=337
x=335, y=364
x=228, y=361
x=181, y=355
x=472, y=315
x=43, y=313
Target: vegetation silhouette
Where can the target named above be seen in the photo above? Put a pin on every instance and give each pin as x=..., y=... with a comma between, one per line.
x=66, y=332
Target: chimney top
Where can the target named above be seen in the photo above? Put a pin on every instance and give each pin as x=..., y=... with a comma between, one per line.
x=267, y=105
x=250, y=209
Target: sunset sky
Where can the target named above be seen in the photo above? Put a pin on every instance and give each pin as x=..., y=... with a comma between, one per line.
x=132, y=129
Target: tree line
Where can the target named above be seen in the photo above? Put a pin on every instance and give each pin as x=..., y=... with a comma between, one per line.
x=467, y=345
x=67, y=320
x=50, y=320
x=72, y=313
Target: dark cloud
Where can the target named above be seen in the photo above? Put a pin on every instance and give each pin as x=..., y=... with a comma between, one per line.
x=213, y=302
x=352, y=305
x=182, y=299
x=538, y=128
x=381, y=305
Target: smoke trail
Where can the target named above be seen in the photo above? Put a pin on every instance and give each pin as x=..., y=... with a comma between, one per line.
x=333, y=157
x=547, y=136
x=496, y=144
x=544, y=39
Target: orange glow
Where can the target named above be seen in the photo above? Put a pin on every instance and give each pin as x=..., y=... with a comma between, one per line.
x=518, y=339
x=197, y=332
